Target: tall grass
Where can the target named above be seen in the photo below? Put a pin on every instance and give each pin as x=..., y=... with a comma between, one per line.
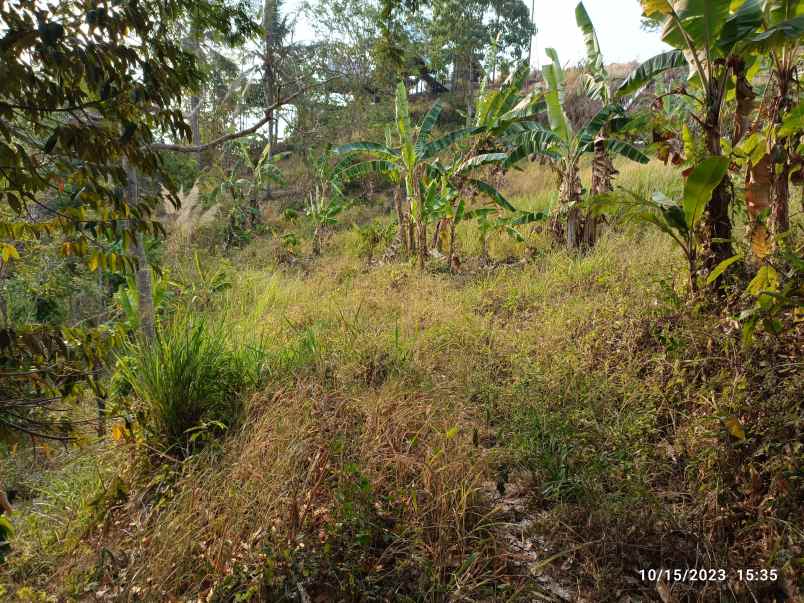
x=192, y=375
x=399, y=399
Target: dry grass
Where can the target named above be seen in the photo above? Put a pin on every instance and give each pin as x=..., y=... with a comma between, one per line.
x=385, y=377
x=397, y=399
x=290, y=484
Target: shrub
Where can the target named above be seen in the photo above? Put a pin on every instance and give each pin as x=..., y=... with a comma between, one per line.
x=189, y=381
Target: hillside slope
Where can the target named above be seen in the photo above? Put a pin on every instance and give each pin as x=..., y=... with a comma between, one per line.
x=523, y=430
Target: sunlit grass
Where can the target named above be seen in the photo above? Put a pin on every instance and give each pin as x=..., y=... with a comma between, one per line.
x=396, y=398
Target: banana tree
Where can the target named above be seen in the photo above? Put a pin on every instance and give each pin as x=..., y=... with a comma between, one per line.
x=565, y=147
x=708, y=35
x=598, y=87
x=677, y=218
x=407, y=163
x=768, y=178
x=245, y=191
x=323, y=212
x=498, y=114
x=451, y=186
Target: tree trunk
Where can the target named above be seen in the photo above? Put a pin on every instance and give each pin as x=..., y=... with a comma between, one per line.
x=437, y=235
x=317, y=241
x=411, y=238
x=484, y=248
x=780, y=191
x=569, y=195
x=422, y=227
x=145, y=291
x=758, y=184
x=717, y=223
x=143, y=275
x=470, y=101
x=5, y=506
x=602, y=172
x=400, y=218
x=195, y=126
x=269, y=83
x=451, y=254
x=780, y=205
x=195, y=101
x=692, y=260
x=268, y=76
x=574, y=228
x=101, y=402
x=254, y=213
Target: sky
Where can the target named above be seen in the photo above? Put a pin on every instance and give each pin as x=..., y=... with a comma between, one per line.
x=617, y=23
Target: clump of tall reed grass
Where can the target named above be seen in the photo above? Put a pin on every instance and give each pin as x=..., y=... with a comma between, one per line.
x=189, y=382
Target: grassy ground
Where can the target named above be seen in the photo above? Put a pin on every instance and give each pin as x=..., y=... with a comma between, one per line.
x=523, y=431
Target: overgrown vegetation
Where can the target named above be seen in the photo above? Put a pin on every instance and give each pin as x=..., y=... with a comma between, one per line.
x=536, y=337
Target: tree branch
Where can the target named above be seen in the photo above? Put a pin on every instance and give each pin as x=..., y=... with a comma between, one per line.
x=198, y=148
x=30, y=432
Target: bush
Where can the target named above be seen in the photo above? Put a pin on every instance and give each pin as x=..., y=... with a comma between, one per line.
x=189, y=382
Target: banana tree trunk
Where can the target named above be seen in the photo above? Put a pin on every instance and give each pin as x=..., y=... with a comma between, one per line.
x=451, y=254
x=780, y=191
x=254, y=213
x=422, y=228
x=438, y=234
x=602, y=172
x=569, y=196
x=317, y=241
x=717, y=222
x=574, y=228
x=758, y=184
x=780, y=206
x=400, y=218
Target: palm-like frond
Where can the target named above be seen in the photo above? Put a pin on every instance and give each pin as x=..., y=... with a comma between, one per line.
x=403, y=125
x=534, y=139
x=627, y=150
x=427, y=126
x=492, y=193
x=596, y=124
x=481, y=160
x=365, y=168
x=435, y=147
x=596, y=66
x=554, y=76
x=648, y=70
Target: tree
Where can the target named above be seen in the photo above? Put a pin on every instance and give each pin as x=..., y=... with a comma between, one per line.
x=564, y=148
x=769, y=174
x=679, y=219
x=414, y=164
x=405, y=164
x=598, y=87
x=460, y=30
x=399, y=49
x=498, y=115
x=83, y=90
x=708, y=34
